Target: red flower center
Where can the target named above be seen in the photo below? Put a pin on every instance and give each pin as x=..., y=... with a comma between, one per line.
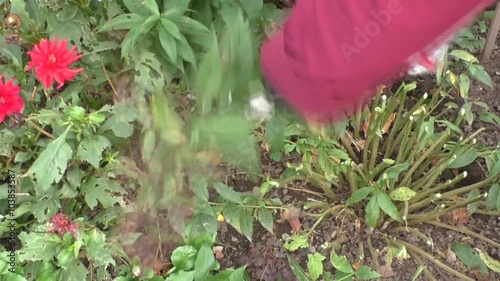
x=52, y=59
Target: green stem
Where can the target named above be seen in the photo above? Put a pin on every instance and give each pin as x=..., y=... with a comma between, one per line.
x=407, y=178
x=426, y=271
x=372, y=252
x=434, y=260
x=465, y=231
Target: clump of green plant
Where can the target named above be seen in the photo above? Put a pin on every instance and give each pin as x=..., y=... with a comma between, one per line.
x=395, y=160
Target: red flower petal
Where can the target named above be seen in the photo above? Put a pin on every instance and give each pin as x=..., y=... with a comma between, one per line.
x=51, y=60
x=10, y=100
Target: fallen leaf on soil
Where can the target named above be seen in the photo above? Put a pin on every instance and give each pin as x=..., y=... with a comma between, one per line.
x=290, y=213
x=386, y=271
x=295, y=224
x=458, y=216
x=450, y=256
x=217, y=250
x=160, y=266
x=388, y=124
x=357, y=265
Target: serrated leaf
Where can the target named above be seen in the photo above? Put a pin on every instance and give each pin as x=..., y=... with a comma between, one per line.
x=387, y=206
x=121, y=121
x=296, y=242
x=265, y=218
x=315, y=265
x=359, y=195
x=340, y=263
x=14, y=277
x=39, y=246
x=297, y=270
x=51, y=164
x=205, y=261
x=184, y=257
x=228, y=193
x=372, y=212
x=469, y=257
x=76, y=271
x=91, y=148
x=365, y=273
x=103, y=190
x=402, y=194
x=97, y=250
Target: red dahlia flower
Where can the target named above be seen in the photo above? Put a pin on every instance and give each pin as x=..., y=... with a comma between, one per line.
x=51, y=61
x=62, y=224
x=10, y=101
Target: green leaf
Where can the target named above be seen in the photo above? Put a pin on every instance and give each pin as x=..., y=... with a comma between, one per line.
x=68, y=13
x=464, y=85
x=103, y=190
x=199, y=186
x=97, y=250
x=463, y=55
x=65, y=258
x=490, y=262
x=450, y=125
x=387, y=206
x=123, y=21
x=315, y=265
x=469, y=257
x=120, y=121
x=209, y=78
x=402, y=194
x=489, y=117
x=228, y=193
x=465, y=159
x=240, y=218
x=340, y=263
x=186, y=52
x=493, y=199
x=130, y=40
x=76, y=271
x=265, y=218
x=137, y=7
x=39, y=246
x=365, y=273
x=14, y=277
x=171, y=28
x=183, y=257
x=359, y=195
x=297, y=270
x=205, y=261
x=483, y=76
x=168, y=43
x=152, y=6
x=372, y=212
x=238, y=274
x=91, y=148
x=180, y=276
x=297, y=241
x=51, y=164
x=392, y=173
x=275, y=134
x=472, y=207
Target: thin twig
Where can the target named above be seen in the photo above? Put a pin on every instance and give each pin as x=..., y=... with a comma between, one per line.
x=38, y=128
